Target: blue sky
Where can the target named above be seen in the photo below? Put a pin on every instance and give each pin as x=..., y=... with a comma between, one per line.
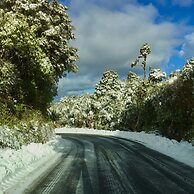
x=110, y=32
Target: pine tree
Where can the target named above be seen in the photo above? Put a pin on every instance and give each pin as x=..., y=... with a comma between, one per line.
x=107, y=100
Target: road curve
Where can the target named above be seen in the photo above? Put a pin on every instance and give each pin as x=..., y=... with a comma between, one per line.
x=109, y=165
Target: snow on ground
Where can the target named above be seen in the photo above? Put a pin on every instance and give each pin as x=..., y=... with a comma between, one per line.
x=17, y=165
x=34, y=159
x=181, y=151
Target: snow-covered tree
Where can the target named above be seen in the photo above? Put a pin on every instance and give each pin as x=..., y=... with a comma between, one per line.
x=107, y=100
x=52, y=26
x=72, y=112
x=34, y=40
x=19, y=47
x=100, y=110
x=145, y=50
x=168, y=107
x=133, y=104
x=156, y=75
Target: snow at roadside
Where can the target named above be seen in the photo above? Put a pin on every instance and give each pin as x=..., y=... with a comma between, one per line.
x=33, y=159
x=183, y=151
x=16, y=165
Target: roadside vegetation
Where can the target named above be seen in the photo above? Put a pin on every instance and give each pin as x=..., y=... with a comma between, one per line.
x=160, y=104
x=34, y=54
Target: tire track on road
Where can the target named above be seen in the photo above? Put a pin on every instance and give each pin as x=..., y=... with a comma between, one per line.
x=172, y=180
x=110, y=165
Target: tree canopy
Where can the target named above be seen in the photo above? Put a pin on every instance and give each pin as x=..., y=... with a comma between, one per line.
x=35, y=50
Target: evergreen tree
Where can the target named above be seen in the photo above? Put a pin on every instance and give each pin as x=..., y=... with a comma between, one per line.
x=107, y=100
x=34, y=40
x=156, y=75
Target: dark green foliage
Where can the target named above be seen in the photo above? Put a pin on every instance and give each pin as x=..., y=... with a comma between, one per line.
x=133, y=104
x=167, y=109
x=34, y=50
x=34, y=54
x=175, y=112
x=20, y=46
x=138, y=114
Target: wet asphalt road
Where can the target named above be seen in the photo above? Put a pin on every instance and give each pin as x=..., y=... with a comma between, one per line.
x=109, y=165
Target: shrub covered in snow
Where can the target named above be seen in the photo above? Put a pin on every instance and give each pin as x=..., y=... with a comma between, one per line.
x=7, y=138
x=24, y=134
x=72, y=111
x=22, y=125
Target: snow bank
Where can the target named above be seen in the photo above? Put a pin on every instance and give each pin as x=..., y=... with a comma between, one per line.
x=16, y=165
x=181, y=151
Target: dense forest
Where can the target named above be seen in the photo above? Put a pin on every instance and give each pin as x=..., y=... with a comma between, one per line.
x=34, y=54
x=164, y=106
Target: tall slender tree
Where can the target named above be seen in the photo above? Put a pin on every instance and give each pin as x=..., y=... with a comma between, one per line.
x=145, y=50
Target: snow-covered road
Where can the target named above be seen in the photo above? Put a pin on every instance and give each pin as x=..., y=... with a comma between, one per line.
x=182, y=151
x=20, y=168
x=110, y=165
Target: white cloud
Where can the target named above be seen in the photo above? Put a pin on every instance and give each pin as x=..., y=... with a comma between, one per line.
x=190, y=38
x=181, y=53
x=110, y=38
x=184, y=3
x=188, y=46
x=80, y=5
x=74, y=84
